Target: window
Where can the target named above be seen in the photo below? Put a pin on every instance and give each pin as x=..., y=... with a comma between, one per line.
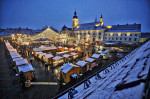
x=80, y=33
x=99, y=37
x=125, y=39
x=120, y=38
x=112, y=38
x=116, y=38
x=105, y=34
x=109, y=38
x=109, y=34
x=84, y=33
x=130, y=34
x=125, y=34
x=129, y=39
x=135, y=39
x=116, y=34
x=135, y=34
x=93, y=33
x=99, y=33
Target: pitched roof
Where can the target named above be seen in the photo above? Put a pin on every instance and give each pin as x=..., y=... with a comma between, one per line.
x=81, y=63
x=125, y=28
x=25, y=68
x=65, y=68
x=89, y=59
x=89, y=26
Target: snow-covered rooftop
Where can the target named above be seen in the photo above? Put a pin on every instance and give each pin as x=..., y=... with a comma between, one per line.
x=48, y=55
x=66, y=55
x=25, y=68
x=81, y=63
x=95, y=55
x=21, y=62
x=73, y=53
x=120, y=80
x=65, y=68
x=89, y=59
x=57, y=58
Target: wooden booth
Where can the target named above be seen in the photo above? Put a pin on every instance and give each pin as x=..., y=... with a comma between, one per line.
x=40, y=55
x=27, y=70
x=60, y=48
x=105, y=54
x=57, y=60
x=74, y=55
x=67, y=70
x=91, y=62
x=97, y=57
x=67, y=57
x=79, y=53
x=48, y=58
x=62, y=53
x=83, y=66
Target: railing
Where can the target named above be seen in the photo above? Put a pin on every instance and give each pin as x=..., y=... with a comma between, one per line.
x=110, y=65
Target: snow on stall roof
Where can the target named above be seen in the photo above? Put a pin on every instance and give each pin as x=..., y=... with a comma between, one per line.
x=59, y=46
x=66, y=55
x=65, y=68
x=16, y=59
x=73, y=53
x=126, y=71
x=89, y=59
x=99, y=51
x=102, y=54
x=25, y=68
x=81, y=63
x=21, y=62
x=95, y=55
x=48, y=55
x=42, y=54
x=15, y=56
x=37, y=50
x=57, y=58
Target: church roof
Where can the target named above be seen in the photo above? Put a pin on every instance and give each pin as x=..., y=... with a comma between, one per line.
x=125, y=28
x=89, y=26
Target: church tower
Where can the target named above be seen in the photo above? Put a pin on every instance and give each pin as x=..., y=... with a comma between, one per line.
x=101, y=20
x=75, y=20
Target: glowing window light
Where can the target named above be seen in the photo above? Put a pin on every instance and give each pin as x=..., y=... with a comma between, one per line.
x=128, y=34
x=119, y=34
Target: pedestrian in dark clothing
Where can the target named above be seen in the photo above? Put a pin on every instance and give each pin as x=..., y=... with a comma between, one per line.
x=46, y=66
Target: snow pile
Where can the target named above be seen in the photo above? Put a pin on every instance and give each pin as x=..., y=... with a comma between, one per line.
x=121, y=79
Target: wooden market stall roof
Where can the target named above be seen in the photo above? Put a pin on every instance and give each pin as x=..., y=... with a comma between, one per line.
x=57, y=58
x=81, y=63
x=89, y=60
x=73, y=53
x=96, y=56
x=48, y=55
x=67, y=67
x=66, y=55
x=25, y=68
x=21, y=62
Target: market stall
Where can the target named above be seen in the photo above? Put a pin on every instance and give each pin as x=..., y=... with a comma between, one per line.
x=40, y=55
x=57, y=60
x=67, y=70
x=48, y=58
x=67, y=57
x=97, y=57
x=62, y=53
x=104, y=53
x=74, y=55
x=27, y=70
x=91, y=62
x=84, y=66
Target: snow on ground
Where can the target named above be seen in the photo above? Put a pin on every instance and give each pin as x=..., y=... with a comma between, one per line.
x=126, y=70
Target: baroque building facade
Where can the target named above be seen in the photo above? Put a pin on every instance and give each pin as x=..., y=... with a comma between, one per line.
x=97, y=31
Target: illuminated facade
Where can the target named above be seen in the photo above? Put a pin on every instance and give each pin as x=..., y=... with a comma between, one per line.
x=97, y=31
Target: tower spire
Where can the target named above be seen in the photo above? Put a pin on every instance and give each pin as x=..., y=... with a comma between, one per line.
x=75, y=14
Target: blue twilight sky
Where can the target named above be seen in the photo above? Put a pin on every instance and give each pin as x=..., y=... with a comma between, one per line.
x=36, y=14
